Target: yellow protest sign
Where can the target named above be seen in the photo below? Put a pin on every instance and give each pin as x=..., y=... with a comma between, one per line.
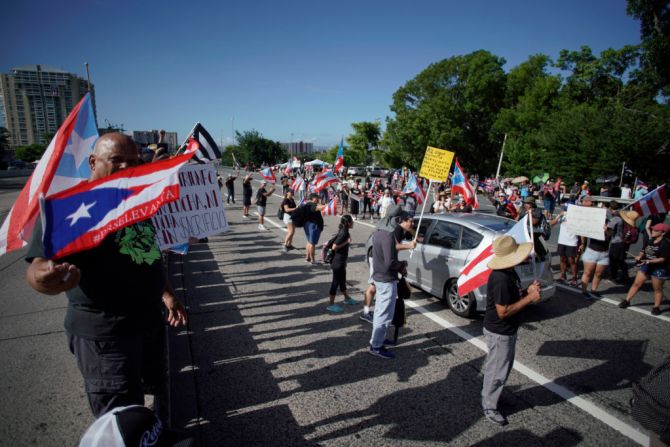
x=436, y=164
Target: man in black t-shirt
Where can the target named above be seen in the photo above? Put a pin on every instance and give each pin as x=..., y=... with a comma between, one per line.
x=505, y=298
x=261, y=201
x=113, y=320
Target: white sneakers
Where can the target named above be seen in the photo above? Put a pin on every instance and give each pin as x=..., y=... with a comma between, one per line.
x=262, y=227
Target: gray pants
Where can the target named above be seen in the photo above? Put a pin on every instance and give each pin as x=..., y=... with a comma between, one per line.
x=498, y=365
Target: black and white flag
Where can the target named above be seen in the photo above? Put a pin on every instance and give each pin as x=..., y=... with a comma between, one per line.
x=208, y=150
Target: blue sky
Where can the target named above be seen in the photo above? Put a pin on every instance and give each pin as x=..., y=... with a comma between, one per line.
x=301, y=70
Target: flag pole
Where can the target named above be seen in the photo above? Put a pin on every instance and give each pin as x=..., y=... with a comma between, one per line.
x=532, y=239
x=185, y=140
x=423, y=209
x=623, y=168
x=502, y=151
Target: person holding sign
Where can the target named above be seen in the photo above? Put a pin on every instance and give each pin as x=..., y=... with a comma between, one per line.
x=595, y=258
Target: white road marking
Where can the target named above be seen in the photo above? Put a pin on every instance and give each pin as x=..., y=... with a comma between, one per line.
x=581, y=403
x=616, y=303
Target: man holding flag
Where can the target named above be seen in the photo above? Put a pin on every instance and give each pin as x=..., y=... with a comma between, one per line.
x=114, y=321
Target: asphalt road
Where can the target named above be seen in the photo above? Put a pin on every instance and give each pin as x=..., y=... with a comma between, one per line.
x=262, y=363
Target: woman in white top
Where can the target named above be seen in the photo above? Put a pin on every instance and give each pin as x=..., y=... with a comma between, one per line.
x=385, y=202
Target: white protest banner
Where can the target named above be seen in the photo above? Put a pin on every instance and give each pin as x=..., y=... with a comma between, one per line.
x=198, y=212
x=586, y=221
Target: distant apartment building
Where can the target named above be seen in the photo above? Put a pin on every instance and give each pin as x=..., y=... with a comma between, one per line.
x=36, y=99
x=298, y=148
x=147, y=137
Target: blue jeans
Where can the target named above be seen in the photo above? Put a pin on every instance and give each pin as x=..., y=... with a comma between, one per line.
x=387, y=292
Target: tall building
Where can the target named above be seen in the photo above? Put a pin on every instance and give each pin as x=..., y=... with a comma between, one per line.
x=298, y=148
x=36, y=99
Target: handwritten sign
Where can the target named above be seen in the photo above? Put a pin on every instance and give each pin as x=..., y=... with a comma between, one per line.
x=586, y=221
x=198, y=212
x=436, y=164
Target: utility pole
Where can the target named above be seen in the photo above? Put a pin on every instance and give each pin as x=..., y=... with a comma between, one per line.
x=502, y=151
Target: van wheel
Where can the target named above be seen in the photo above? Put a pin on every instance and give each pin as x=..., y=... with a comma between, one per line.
x=463, y=306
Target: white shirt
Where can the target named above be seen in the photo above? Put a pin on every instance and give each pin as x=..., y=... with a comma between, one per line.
x=564, y=236
x=625, y=192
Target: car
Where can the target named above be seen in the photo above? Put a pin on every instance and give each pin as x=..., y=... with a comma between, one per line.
x=445, y=245
x=376, y=171
x=17, y=164
x=356, y=170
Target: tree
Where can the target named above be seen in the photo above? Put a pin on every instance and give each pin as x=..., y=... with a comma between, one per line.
x=30, y=152
x=452, y=104
x=365, y=138
x=654, y=16
x=257, y=149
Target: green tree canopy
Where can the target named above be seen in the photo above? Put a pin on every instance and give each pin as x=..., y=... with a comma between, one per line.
x=257, y=149
x=452, y=105
x=30, y=152
x=362, y=142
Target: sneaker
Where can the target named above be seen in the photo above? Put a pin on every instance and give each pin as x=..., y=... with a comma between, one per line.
x=335, y=309
x=572, y=283
x=284, y=249
x=390, y=342
x=656, y=311
x=596, y=295
x=624, y=303
x=496, y=417
x=381, y=352
x=262, y=228
x=367, y=316
x=351, y=302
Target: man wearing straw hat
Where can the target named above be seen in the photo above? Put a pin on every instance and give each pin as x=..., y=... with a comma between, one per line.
x=505, y=299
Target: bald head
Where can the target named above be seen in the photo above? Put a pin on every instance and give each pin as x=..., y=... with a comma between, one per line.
x=112, y=152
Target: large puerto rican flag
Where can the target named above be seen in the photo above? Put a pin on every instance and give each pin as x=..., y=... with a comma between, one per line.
x=655, y=202
x=331, y=208
x=461, y=185
x=324, y=180
x=297, y=184
x=268, y=175
x=339, y=159
x=63, y=165
x=413, y=186
x=476, y=273
x=81, y=217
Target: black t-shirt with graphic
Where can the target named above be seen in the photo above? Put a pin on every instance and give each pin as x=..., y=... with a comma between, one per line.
x=655, y=250
x=503, y=288
x=261, y=199
x=121, y=287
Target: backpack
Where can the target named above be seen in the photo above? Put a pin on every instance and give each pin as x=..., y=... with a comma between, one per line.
x=327, y=252
x=630, y=233
x=651, y=400
x=280, y=213
x=298, y=217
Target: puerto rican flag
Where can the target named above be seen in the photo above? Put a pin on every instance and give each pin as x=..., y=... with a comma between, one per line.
x=339, y=159
x=461, y=185
x=63, y=165
x=81, y=217
x=655, y=202
x=331, y=208
x=268, y=175
x=324, y=180
x=413, y=186
x=288, y=169
x=476, y=273
x=297, y=184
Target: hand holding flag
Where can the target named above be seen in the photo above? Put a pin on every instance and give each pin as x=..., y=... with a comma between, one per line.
x=268, y=175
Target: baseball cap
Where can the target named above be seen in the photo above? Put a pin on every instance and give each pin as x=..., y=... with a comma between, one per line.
x=131, y=426
x=661, y=227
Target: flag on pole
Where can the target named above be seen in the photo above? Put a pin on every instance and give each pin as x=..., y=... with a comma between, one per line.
x=639, y=183
x=339, y=159
x=476, y=273
x=324, y=180
x=63, y=165
x=206, y=149
x=413, y=186
x=268, y=175
x=80, y=218
x=288, y=169
x=297, y=184
x=331, y=208
x=655, y=202
x=459, y=184
x=236, y=164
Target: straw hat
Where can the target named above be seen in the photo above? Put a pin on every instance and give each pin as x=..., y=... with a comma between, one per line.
x=507, y=253
x=629, y=216
x=153, y=147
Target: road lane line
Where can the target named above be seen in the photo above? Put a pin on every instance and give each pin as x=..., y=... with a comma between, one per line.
x=581, y=403
x=616, y=303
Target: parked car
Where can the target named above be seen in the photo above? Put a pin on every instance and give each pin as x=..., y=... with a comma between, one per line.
x=17, y=164
x=357, y=171
x=376, y=171
x=445, y=245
